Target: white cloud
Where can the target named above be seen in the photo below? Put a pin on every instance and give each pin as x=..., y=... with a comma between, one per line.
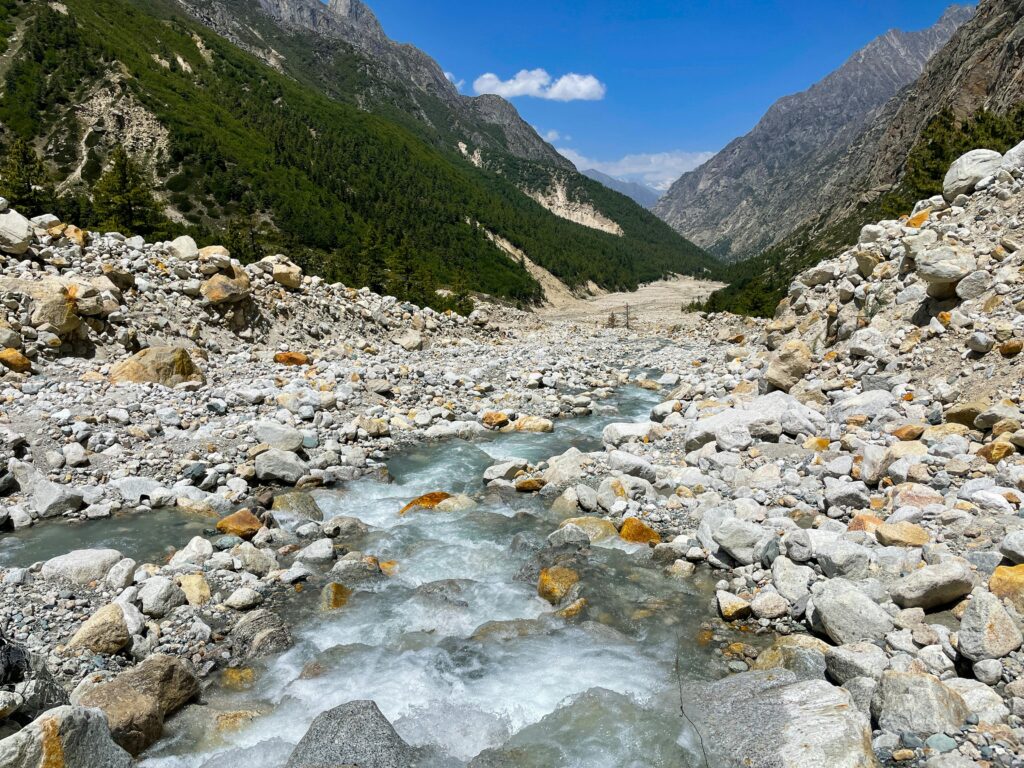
x=457, y=83
x=539, y=84
x=657, y=169
x=552, y=135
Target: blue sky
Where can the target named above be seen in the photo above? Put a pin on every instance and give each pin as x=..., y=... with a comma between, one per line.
x=660, y=83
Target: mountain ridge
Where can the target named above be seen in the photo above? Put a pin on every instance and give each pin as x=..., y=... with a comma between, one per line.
x=641, y=194
x=762, y=185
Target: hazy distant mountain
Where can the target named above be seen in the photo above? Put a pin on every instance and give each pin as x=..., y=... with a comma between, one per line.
x=641, y=193
x=763, y=185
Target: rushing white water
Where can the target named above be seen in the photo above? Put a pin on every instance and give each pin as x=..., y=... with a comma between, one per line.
x=461, y=655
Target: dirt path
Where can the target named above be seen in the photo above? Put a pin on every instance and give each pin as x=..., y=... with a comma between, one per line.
x=659, y=303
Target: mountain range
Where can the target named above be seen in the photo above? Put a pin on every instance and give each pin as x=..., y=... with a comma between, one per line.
x=765, y=184
x=295, y=126
x=641, y=193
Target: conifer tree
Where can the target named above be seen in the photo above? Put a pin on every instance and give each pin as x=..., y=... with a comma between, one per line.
x=23, y=180
x=123, y=198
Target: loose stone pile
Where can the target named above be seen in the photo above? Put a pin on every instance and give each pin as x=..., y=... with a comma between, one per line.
x=851, y=470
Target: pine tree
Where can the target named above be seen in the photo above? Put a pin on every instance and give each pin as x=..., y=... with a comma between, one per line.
x=123, y=198
x=23, y=180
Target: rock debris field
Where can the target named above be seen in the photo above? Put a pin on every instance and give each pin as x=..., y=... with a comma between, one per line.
x=848, y=476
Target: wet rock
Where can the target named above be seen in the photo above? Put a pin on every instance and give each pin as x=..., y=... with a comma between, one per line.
x=242, y=523
x=137, y=700
x=555, y=583
x=260, y=633
x=354, y=734
x=64, y=737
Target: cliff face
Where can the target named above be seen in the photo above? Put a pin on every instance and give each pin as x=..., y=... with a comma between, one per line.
x=763, y=185
x=980, y=68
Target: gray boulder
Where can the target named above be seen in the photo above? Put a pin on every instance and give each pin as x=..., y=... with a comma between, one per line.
x=846, y=662
x=967, y=170
x=279, y=436
x=260, y=633
x=15, y=232
x=1012, y=547
x=942, y=268
x=986, y=630
x=772, y=720
x=847, y=615
x=629, y=464
x=68, y=737
x=47, y=498
x=276, y=465
x=159, y=596
x=354, y=734
x=918, y=703
x=738, y=538
x=933, y=585
x=81, y=566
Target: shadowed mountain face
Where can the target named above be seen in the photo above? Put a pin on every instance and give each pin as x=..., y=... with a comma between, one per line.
x=763, y=185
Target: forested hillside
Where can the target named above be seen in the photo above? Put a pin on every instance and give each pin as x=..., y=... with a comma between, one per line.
x=239, y=152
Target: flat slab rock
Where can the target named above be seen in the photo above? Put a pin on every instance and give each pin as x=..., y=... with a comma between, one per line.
x=771, y=720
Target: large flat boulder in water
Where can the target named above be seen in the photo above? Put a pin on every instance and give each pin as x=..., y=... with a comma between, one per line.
x=771, y=720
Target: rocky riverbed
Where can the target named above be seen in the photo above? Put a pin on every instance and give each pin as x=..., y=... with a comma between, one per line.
x=826, y=505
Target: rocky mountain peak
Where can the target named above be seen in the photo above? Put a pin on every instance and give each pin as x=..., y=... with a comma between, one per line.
x=763, y=185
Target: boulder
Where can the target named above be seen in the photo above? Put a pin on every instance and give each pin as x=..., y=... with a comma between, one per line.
x=48, y=499
x=789, y=365
x=159, y=596
x=942, y=268
x=354, y=734
x=933, y=585
x=986, y=629
x=15, y=232
x=242, y=523
x=64, y=737
x=106, y=631
x=137, y=700
x=917, y=702
x=771, y=720
x=222, y=289
x=847, y=615
x=409, y=340
x=738, y=538
x=846, y=662
x=81, y=566
x=167, y=366
x=183, y=248
x=287, y=274
x=967, y=170
x=280, y=466
x=277, y=435
x=260, y=633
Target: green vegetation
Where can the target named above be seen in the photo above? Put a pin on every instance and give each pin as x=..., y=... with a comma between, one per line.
x=756, y=286
x=268, y=164
x=123, y=200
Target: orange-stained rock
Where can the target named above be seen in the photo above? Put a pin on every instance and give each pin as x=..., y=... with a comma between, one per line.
x=238, y=678
x=75, y=235
x=996, y=451
x=573, y=610
x=902, y=534
x=426, y=501
x=909, y=432
x=1012, y=348
x=639, y=532
x=1007, y=582
x=291, y=358
x=242, y=523
x=530, y=484
x=334, y=596
x=168, y=366
x=864, y=522
x=494, y=419
x=918, y=220
x=816, y=443
x=12, y=359
x=221, y=289
x=555, y=582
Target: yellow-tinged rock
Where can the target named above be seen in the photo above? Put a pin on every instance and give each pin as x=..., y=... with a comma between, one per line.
x=865, y=522
x=597, y=528
x=494, y=419
x=1007, y=582
x=104, y=632
x=817, y=443
x=784, y=648
x=334, y=596
x=221, y=289
x=233, y=721
x=238, y=678
x=966, y=413
x=75, y=235
x=426, y=501
x=909, y=432
x=531, y=424
x=14, y=360
x=636, y=530
x=940, y=432
x=902, y=534
x=573, y=610
x=168, y=366
x=527, y=484
x=1011, y=348
x=918, y=220
x=996, y=451
x=92, y=377
x=195, y=587
x=291, y=358
x=242, y=523
x=555, y=582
